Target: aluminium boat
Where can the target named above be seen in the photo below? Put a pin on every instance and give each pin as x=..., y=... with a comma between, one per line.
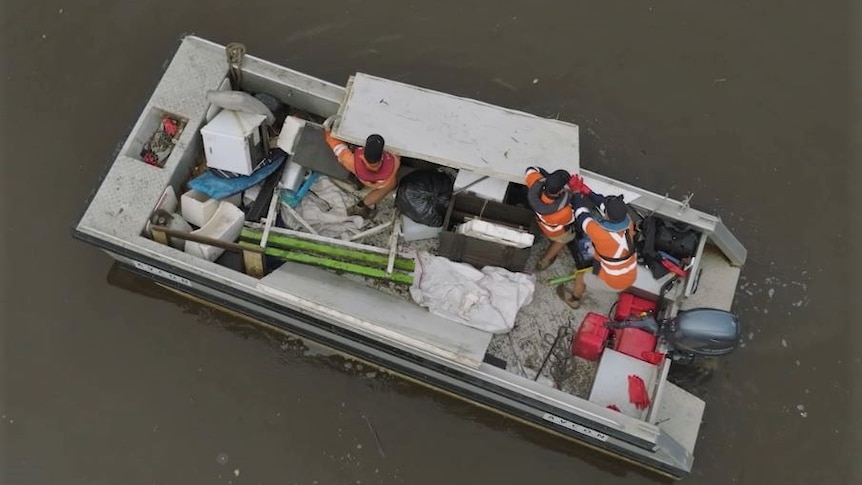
x=527, y=373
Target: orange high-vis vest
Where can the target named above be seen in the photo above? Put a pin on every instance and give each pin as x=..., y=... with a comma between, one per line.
x=552, y=215
x=615, y=253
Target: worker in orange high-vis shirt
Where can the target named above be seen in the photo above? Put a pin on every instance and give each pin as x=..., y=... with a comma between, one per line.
x=550, y=198
x=375, y=168
x=612, y=236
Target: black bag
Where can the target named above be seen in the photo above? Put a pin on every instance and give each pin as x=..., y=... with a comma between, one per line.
x=656, y=235
x=424, y=196
x=677, y=240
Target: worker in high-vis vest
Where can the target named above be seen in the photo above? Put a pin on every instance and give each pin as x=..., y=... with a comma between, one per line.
x=549, y=197
x=612, y=236
x=375, y=168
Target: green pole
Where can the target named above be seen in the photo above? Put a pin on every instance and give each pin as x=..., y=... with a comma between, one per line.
x=280, y=241
x=377, y=273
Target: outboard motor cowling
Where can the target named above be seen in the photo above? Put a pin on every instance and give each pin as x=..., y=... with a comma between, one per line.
x=703, y=331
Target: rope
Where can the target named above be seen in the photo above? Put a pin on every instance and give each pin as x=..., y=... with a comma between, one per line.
x=563, y=332
x=234, y=53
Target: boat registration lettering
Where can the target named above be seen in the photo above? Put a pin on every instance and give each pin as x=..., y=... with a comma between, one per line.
x=162, y=273
x=575, y=427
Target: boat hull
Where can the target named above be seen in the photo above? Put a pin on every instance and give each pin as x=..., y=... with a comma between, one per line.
x=410, y=367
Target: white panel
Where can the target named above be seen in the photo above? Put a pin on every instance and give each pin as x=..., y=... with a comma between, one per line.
x=454, y=131
x=387, y=317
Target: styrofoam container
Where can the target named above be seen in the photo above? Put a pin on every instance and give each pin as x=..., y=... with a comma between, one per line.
x=197, y=208
x=496, y=233
x=225, y=225
x=413, y=231
x=289, y=133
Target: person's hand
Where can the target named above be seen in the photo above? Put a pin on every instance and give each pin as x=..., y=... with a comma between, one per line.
x=577, y=185
x=327, y=124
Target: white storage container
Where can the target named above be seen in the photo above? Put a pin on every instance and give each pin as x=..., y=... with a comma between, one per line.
x=225, y=225
x=197, y=208
x=234, y=141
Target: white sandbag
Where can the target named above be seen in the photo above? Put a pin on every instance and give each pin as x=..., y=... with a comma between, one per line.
x=488, y=299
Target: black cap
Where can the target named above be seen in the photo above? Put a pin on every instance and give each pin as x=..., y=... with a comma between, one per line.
x=555, y=182
x=373, y=148
x=615, y=208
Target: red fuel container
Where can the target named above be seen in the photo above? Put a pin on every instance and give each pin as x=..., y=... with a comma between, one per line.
x=589, y=342
x=634, y=342
x=630, y=306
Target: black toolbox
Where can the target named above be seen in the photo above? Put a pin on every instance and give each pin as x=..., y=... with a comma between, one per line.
x=479, y=252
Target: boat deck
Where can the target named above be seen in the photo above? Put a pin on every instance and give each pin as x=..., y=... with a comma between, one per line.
x=537, y=325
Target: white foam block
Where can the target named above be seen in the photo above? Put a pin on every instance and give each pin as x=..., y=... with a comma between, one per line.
x=290, y=133
x=496, y=233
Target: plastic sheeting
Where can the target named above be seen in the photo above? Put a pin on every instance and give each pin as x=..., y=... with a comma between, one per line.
x=488, y=299
x=240, y=101
x=332, y=223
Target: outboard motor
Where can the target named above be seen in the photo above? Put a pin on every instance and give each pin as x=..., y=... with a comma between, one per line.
x=702, y=332
x=699, y=332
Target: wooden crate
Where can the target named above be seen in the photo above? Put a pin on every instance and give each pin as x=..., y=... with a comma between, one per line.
x=478, y=252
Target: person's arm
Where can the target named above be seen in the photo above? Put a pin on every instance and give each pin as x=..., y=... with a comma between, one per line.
x=534, y=174
x=582, y=213
x=340, y=149
x=596, y=198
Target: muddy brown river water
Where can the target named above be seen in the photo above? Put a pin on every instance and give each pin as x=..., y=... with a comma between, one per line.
x=749, y=105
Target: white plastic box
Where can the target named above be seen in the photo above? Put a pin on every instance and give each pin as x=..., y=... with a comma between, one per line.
x=225, y=225
x=233, y=141
x=197, y=208
x=413, y=231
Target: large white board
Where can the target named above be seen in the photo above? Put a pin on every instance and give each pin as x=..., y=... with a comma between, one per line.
x=457, y=132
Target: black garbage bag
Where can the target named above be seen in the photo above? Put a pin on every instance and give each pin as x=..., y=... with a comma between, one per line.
x=424, y=196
